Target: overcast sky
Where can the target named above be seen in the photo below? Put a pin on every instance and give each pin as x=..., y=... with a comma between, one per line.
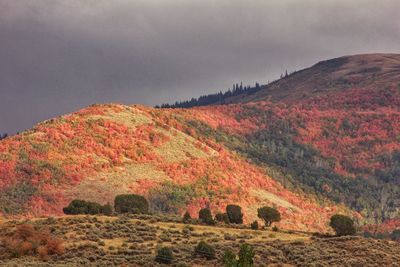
x=57, y=56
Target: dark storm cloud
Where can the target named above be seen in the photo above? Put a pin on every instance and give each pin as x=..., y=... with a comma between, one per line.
x=57, y=56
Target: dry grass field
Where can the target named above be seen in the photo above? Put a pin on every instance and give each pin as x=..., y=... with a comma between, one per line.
x=133, y=241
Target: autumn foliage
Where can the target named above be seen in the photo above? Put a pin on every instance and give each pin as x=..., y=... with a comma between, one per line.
x=26, y=240
x=309, y=158
x=89, y=153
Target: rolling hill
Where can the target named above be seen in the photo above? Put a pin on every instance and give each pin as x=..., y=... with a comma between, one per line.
x=104, y=150
x=319, y=141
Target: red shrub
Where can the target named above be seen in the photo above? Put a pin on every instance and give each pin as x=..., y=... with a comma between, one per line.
x=25, y=240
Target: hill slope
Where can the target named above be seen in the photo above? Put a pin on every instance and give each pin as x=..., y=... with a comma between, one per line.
x=105, y=150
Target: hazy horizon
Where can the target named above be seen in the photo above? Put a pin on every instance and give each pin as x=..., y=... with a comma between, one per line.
x=59, y=56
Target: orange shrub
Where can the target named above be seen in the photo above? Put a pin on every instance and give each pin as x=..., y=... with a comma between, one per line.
x=26, y=240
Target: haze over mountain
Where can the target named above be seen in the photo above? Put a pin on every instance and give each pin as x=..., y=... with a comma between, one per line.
x=322, y=140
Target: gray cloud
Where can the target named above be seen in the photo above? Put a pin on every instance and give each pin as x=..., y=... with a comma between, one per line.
x=57, y=56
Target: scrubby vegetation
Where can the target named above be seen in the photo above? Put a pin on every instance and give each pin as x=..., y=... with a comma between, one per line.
x=243, y=259
x=164, y=255
x=25, y=240
x=205, y=250
x=146, y=240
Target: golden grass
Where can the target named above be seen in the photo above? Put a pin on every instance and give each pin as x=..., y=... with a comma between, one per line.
x=180, y=147
x=259, y=235
x=129, y=116
x=274, y=199
x=115, y=181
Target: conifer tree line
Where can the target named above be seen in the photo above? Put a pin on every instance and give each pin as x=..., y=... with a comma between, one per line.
x=221, y=97
x=217, y=98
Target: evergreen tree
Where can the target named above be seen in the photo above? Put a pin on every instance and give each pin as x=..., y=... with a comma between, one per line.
x=206, y=217
x=186, y=217
x=235, y=214
x=343, y=225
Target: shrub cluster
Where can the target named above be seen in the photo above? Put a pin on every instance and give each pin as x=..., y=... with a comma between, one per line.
x=131, y=203
x=243, y=259
x=78, y=206
x=205, y=250
x=164, y=255
x=25, y=240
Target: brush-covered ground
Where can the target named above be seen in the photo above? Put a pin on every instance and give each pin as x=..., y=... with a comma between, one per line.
x=133, y=241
